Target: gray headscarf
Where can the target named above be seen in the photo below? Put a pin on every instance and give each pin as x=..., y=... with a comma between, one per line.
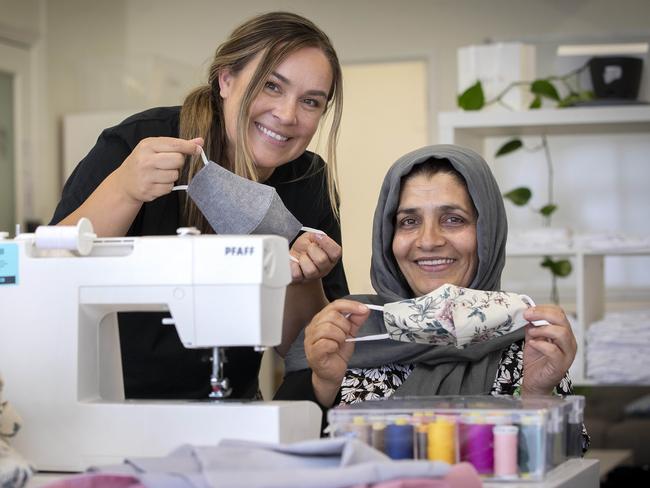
x=439, y=370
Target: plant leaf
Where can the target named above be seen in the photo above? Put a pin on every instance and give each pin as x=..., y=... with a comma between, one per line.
x=547, y=262
x=519, y=196
x=508, y=147
x=536, y=103
x=472, y=98
x=560, y=268
x=569, y=100
x=544, y=88
x=586, y=95
x=547, y=210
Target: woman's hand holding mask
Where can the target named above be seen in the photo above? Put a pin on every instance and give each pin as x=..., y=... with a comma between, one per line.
x=154, y=165
x=316, y=255
x=327, y=351
x=548, y=351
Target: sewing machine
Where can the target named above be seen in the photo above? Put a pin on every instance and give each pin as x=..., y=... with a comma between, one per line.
x=60, y=354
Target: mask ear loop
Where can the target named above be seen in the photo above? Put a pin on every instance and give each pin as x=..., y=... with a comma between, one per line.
x=374, y=337
x=205, y=163
x=531, y=303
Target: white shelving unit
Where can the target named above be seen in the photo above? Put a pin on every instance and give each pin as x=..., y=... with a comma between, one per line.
x=470, y=129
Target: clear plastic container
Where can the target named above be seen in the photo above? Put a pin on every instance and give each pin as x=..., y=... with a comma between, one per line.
x=504, y=437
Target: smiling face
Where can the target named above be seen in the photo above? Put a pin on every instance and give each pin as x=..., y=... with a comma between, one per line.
x=435, y=233
x=285, y=114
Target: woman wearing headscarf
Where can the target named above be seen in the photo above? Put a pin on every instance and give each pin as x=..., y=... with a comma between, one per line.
x=440, y=219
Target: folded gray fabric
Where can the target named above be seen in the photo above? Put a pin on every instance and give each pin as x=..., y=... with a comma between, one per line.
x=235, y=205
x=322, y=463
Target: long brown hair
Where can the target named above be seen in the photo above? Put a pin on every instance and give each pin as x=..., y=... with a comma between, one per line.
x=276, y=35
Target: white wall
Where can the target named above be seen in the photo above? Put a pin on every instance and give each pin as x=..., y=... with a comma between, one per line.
x=134, y=53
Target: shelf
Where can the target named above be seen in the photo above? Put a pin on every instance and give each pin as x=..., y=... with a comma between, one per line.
x=566, y=121
x=471, y=129
x=569, y=252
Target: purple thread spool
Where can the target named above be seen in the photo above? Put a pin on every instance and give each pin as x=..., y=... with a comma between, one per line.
x=477, y=446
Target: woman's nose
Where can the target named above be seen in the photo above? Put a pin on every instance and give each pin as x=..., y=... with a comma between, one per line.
x=285, y=111
x=430, y=237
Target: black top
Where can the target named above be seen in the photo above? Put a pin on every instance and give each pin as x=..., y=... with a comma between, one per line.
x=155, y=363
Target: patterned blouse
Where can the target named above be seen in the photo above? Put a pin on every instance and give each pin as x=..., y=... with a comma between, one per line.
x=362, y=384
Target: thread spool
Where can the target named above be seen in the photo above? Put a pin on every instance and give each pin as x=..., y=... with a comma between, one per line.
x=78, y=238
x=421, y=441
x=398, y=439
x=556, y=447
x=377, y=436
x=360, y=429
x=531, y=447
x=417, y=420
x=505, y=451
x=477, y=444
x=441, y=445
x=574, y=426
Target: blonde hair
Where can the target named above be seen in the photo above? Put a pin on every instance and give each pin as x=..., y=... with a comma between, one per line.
x=276, y=35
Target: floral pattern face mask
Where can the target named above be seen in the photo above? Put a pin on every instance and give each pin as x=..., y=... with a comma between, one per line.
x=453, y=315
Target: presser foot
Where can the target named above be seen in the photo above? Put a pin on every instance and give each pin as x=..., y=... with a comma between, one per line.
x=220, y=389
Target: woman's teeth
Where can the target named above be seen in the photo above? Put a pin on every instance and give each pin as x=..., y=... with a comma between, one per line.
x=271, y=134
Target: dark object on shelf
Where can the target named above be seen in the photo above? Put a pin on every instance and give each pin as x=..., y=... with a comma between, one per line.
x=616, y=77
x=605, y=102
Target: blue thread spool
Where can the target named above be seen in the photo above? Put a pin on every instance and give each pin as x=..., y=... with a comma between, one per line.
x=398, y=439
x=531, y=447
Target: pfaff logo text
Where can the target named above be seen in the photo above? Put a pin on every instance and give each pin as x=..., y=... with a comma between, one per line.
x=239, y=251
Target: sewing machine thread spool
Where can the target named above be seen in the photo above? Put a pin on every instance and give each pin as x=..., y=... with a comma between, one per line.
x=441, y=442
x=477, y=443
x=505, y=451
x=398, y=439
x=78, y=239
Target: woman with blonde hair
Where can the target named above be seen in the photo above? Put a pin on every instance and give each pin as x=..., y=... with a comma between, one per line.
x=269, y=87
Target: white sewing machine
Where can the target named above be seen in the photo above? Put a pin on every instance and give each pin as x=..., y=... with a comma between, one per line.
x=60, y=354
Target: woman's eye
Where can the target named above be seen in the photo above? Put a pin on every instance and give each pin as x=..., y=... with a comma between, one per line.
x=272, y=86
x=408, y=222
x=311, y=102
x=454, y=220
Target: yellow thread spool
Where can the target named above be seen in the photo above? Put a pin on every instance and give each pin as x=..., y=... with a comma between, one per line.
x=442, y=440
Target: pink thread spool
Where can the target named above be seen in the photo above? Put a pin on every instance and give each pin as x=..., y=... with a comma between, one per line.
x=505, y=451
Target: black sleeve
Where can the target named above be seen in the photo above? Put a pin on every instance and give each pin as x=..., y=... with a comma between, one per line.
x=335, y=283
x=303, y=190
x=298, y=386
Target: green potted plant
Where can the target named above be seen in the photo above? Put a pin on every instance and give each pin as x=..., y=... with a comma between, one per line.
x=544, y=88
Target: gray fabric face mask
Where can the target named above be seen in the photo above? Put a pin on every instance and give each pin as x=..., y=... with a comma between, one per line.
x=235, y=205
x=453, y=315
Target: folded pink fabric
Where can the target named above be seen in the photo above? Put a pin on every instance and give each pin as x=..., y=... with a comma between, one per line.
x=461, y=475
x=97, y=480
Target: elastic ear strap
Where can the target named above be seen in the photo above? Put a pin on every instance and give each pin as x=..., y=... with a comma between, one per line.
x=531, y=302
x=205, y=163
x=205, y=160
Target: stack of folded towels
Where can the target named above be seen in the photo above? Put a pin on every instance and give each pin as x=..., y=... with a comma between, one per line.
x=618, y=348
